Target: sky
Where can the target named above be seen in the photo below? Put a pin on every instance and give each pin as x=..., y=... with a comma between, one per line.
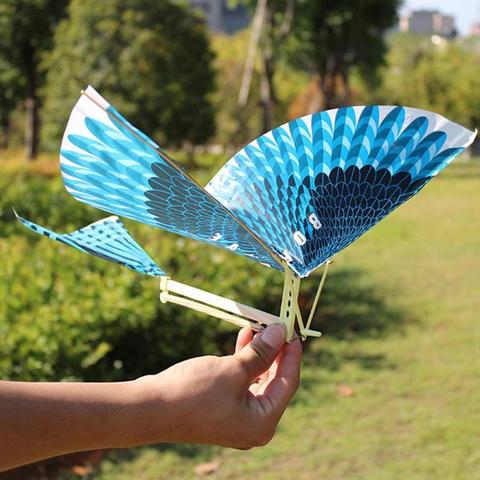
x=464, y=11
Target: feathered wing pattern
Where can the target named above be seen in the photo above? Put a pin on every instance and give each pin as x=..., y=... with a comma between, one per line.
x=108, y=239
x=312, y=186
x=109, y=164
x=300, y=193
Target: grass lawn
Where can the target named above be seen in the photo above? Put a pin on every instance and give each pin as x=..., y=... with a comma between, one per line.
x=402, y=330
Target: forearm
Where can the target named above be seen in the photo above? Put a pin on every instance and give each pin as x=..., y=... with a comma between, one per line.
x=41, y=420
x=234, y=401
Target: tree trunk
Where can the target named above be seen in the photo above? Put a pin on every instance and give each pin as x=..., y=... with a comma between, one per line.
x=330, y=83
x=347, y=94
x=31, y=107
x=330, y=92
x=5, y=133
x=317, y=102
x=267, y=94
x=257, y=26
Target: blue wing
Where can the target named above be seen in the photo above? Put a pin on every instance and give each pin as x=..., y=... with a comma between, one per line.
x=108, y=239
x=312, y=186
x=109, y=164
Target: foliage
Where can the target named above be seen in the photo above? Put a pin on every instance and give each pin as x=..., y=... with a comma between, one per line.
x=11, y=86
x=335, y=38
x=331, y=41
x=66, y=315
x=439, y=77
x=26, y=29
x=413, y=410
x=151, y=59
x=27, y=25
x=273, y=30
x=230, y=53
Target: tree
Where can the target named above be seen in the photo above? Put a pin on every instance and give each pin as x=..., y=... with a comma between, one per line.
x=337, y=37
x=26, y=28
x=440, y=77
x=278, y=22
x=271, y=26
x=11, y=86
x=329, y=39
x=150, y=59
x=229, y=63
x=235, y=126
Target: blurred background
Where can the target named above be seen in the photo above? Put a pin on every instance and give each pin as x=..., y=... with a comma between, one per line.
x=391, y=391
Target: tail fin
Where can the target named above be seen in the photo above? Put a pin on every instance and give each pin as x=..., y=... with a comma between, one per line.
x=108, y=239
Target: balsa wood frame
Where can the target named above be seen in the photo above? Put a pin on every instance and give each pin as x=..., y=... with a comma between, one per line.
x=244, y=315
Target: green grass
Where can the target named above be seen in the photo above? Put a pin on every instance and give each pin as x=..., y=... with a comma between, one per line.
x=406, y=339
x=401, y=323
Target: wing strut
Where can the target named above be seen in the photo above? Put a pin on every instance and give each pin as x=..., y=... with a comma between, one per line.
x=317, y=295
x=243, y=315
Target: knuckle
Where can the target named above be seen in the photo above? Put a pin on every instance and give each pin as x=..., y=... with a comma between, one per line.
x=244, y=367
x=244, y=447
x=244, y=442
x=256, y=437
x=262, y=354
x=263, y=436
x=263, y=439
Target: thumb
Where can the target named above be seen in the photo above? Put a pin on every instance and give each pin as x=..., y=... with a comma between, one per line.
x=257, y=356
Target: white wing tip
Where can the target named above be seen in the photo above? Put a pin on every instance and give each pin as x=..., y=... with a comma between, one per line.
x=92, y=94
x=471, y=138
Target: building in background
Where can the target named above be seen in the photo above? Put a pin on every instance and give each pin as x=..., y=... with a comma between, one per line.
x=430, y=22
x=221, y=17
x=475, y=29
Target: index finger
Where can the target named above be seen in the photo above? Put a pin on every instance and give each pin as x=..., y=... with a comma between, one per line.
x=244, y=337
x=284, y=384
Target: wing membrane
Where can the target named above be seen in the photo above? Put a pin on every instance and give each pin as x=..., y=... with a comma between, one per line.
x=109, y=164
x=108, y=239
x=312, y=186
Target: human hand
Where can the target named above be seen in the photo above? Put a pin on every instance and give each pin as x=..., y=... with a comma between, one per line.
x=235, y=401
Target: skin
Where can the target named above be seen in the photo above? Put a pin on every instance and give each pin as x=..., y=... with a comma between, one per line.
x=234, y=401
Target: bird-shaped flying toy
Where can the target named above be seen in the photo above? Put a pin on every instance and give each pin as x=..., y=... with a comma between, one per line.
x=290, y=200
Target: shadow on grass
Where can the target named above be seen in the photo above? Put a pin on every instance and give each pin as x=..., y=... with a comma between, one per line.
x=184, y=450
x=352, y=307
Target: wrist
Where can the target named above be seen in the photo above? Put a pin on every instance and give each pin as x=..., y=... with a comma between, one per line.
x=110, y=417
x=149, y=415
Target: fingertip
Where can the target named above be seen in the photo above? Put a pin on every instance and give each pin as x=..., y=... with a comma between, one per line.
x=274, y=335
x=244, y=337
x=290, y=361
x=294, y=347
